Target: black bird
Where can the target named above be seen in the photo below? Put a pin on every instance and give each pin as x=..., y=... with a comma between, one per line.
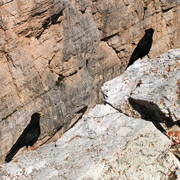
x=143, y=46
x=28, y=137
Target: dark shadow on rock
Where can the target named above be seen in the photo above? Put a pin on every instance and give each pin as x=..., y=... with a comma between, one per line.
x=53, y=19
x=151, y=112
x=81, y=111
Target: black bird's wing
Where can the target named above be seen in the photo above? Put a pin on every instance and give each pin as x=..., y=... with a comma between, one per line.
x=143, y=47
x=138, y=51
x=28, y=137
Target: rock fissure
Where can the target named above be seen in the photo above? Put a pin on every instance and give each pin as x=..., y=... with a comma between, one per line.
x=50, y=21
x=109, y=37
x=5, y=2
x=168, y=9
x=9, y=58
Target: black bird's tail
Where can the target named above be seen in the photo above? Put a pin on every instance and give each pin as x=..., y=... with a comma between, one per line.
x=11, y=153
x=131, y=61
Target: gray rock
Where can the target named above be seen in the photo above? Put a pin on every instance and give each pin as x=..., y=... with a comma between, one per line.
x=107, y=144
x=56, y=54
x=104, y=144
x=149, y=86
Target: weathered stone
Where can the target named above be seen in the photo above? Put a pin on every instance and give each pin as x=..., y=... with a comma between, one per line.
x=85, y=41
x=148, y=85
x=150, y=89
x=105, y=144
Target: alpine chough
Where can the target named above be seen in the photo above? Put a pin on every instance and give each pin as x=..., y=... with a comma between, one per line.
x=143, y=46
x=28, y=137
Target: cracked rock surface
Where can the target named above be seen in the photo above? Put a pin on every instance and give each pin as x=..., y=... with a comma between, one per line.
x=56, y=54
x=149, y=85
x=108, y=144
x=104, y=144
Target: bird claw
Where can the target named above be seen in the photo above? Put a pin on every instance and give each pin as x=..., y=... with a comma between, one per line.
x=35, y=148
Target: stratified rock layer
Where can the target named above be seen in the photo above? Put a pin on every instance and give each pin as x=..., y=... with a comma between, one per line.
x=56, y=54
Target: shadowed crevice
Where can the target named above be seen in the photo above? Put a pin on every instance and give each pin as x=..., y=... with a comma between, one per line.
x=49, y=21
x=6, y=2
x=109, y=37
x=58, y=128
x=166, y=10
x=82, y=110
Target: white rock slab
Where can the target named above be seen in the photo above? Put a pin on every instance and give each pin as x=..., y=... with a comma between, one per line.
x=105, y=144
x=152, y=80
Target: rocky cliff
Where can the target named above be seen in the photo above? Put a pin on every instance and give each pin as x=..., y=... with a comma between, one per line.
x=56, y=54
x=108, y=144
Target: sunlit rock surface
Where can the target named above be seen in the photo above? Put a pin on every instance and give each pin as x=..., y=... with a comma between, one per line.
x=108, y=144
x=56, y=54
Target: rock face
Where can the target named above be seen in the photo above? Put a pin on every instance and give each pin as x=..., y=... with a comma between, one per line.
x=150, y=87
x=56, y=54
x=107, y=144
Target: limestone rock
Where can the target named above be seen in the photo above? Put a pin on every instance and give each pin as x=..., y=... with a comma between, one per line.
x=148, y=85
x=56, y=54
x=149, y=89
x=106, y=143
